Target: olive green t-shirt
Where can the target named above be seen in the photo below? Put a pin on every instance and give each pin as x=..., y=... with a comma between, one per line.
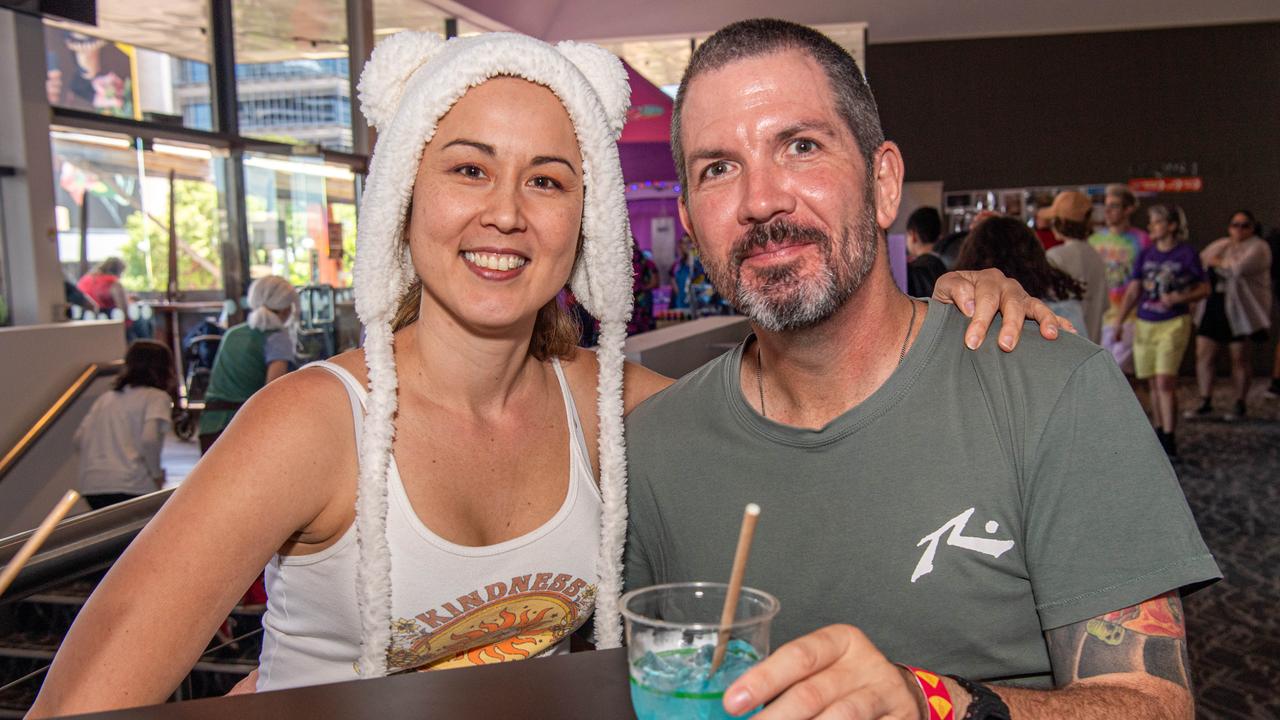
x=976, y=499
x=240, y=370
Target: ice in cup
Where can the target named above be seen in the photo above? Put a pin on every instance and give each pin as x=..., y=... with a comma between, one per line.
x=671, y=637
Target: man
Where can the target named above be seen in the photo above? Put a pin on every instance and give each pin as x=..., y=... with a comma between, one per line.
x=1038, y=543
x=1075, y=257
x=924, y=226
x=1118, y=244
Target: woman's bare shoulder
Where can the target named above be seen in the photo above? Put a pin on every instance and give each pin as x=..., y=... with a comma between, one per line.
x=638, y=382
x=291, y=446
x=298, y=415
x=353, y=362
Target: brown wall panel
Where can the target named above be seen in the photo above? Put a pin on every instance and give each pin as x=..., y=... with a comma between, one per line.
x=1009, y=112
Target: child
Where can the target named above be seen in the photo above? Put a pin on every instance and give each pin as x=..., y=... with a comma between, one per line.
x=121, y=437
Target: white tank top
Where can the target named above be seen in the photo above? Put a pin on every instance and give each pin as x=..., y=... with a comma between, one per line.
x=452, y=605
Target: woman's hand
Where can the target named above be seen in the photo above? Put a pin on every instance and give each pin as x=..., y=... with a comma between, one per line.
x=981, y=293
x=249, y=684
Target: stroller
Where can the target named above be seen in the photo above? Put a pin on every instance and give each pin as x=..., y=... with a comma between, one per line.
x=199, y=348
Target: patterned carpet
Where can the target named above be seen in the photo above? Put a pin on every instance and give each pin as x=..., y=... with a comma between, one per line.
x=1231, y=475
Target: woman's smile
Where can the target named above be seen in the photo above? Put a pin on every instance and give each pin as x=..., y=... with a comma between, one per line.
x=494, y=264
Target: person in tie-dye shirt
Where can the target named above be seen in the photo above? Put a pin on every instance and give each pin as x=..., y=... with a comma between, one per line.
x=1119, y=244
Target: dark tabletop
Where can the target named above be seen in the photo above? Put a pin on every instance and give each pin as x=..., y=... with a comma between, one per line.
x=588, y=685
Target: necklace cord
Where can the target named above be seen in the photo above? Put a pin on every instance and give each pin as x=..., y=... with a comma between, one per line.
x=902, y=354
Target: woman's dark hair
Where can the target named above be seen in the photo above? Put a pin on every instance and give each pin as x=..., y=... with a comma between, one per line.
x=147, y=363
x=1007, y=245
x=1253, y=220
x=111, y=266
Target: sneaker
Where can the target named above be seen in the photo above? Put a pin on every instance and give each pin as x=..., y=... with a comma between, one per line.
x=1236, y=414
x=1205, y=409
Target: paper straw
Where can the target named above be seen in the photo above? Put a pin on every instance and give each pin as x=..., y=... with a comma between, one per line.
x=37, y=539
x=749, y=517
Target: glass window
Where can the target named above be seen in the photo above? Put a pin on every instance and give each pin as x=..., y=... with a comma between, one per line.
x=291, y=68
x=136, y=63
x=392, y=16
x=112, y=200
x=302, y=219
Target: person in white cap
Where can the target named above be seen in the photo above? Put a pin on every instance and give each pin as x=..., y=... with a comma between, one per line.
x=411, y=500
x=258, y=351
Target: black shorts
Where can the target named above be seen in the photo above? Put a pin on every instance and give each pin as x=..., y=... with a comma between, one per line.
x=1215, y=326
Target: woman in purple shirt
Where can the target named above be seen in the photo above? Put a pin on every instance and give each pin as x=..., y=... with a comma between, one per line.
x=1166, y=278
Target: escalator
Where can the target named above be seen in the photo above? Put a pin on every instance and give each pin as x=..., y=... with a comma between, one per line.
x=38, y=609
x=38, y=469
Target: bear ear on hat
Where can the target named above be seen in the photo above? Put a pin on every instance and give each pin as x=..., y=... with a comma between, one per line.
x=387, y=72
x=607, y=76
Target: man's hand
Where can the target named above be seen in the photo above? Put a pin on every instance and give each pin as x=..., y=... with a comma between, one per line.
x=833, y=672
x=981, y=293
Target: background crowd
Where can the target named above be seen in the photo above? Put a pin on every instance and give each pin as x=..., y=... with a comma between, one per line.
x=1142, y=295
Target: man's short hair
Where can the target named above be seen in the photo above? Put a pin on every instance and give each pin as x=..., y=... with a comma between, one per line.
x=752, y=38
x=1124, y=193
x=926, y=223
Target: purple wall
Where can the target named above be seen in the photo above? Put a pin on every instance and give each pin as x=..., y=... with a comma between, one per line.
x=646, y=161
x=642, y=212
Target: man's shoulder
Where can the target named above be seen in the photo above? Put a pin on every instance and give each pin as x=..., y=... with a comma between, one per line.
x=1038, y=364
x=699, y=390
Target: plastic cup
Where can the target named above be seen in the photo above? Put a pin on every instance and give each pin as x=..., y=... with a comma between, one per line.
x=671, y=636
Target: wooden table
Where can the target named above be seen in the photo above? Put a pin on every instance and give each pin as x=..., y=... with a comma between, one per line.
x=586, y=685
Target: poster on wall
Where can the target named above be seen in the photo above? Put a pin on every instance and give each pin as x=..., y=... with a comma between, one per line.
x=86, y=73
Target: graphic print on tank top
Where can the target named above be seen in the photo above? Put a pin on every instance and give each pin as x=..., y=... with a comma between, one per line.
x=511, y=619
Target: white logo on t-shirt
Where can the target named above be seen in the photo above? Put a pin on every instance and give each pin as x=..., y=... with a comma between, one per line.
x=994, y=548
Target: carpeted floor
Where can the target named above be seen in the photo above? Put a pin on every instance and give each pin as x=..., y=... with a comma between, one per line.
x=1231, y=475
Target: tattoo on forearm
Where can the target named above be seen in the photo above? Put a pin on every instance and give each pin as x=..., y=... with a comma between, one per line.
x=1149, y=637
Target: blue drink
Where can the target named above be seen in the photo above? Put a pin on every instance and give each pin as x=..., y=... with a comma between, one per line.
x=674, y=683
x=672, y=631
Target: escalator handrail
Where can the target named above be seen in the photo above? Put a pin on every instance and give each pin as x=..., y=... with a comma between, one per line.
x=79, y=545
x=55, y=411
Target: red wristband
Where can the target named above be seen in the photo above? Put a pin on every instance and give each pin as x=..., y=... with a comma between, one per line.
x=936, y=695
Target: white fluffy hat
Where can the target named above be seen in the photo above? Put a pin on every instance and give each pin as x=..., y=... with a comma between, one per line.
x=408, y=84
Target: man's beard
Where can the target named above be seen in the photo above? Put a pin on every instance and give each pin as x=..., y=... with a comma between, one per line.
x=782, y=297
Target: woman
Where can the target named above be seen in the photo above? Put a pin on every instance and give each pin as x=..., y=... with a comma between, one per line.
x=1238, y=309
x=378, y=489
x=1166, y=278
x=121, y=438
x=1009, y=246
x=251, y=354
x=102, y=286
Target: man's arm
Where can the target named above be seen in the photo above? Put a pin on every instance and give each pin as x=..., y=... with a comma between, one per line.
x=1130, y=663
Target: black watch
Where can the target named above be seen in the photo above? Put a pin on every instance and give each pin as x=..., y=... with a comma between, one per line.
x=983, y=703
